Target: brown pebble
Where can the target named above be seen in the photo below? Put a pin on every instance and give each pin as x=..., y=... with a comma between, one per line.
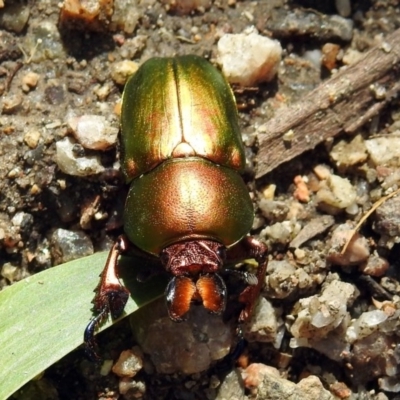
x=340, y=389
x=330, y=52
x=375, y=266
x=30, y=81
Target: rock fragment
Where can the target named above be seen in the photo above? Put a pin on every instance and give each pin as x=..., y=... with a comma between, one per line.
x=86, y=15
x=93, y=131
x=313, y=228
x=70, y=245
x=318, y=315
x=258, y=62
x=270, y=385
x=76, y=164
x=129, y=363
x=384, y=150
x=192, y=345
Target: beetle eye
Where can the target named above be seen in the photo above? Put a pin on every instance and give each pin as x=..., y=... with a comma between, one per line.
x=221, y=253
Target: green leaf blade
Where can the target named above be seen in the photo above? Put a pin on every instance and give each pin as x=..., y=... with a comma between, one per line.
x=43, y=317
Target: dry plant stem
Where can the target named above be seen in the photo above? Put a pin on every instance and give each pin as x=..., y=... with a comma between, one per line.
x=366, y=215
x=342, y=104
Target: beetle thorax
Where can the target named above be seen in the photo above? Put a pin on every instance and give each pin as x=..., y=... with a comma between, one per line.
x=193, y=257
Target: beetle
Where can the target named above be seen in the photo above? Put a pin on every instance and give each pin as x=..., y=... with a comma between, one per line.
x=182, y=155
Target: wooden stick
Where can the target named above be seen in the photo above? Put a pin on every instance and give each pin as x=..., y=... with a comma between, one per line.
x=342, y=104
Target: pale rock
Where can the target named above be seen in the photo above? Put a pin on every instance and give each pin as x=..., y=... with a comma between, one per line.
x=70, y=164
x=337, y=192
x=184, y=7
x=122, y=70
x=270, y=385
x=280, y=282
x=258, y=61
x=384, y=150
x=129, y=363
x=343, y=7
x=281, y=232
x=357, y=251
x=264, y=324
x=93, y=131
x=365, y=325
x=318, y=315
x=346, y=154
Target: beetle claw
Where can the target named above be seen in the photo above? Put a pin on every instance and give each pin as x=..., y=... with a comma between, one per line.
x=88, y=337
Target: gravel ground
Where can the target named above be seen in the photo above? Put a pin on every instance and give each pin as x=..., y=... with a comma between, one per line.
x=327, y=325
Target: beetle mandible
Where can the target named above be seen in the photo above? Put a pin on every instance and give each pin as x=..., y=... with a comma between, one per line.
x=182, y=154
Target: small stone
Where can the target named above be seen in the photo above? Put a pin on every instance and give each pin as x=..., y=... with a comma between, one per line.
x=352, y=56
x=347, y=154
x=356, y=252
x=389, y=384
x=192, y=345
x=14, y=16
x=133, y=46
x=269, y=192
x=279, y=281
x=373, y=356
x=32, y=138
x=102, y=92
x=259, y=60
x=93, y=131
x=322, y=172
x=44, y=42
x=281, y=232
x=126, y=16
x=387, y=218
x=71, y=164
x=106, y=367
x=10, y=272
x=289, y=24
x=129, y=363
x=86, y=15
x=330, y=52
x=30, y=81
x=301, y=192
x=384, y=150
x=264, y=323
x=270, y=385
x=320, y=314
x=11, y=103
x=337, y=192
x=70, y=245
x=184, y=7
x=131, y=389
x=232, y=387
x=365, y=325
x=122, y=70
x=313, y=228
x=343, y=7
x=253, y=375
x=375, y=266
x=274, y=211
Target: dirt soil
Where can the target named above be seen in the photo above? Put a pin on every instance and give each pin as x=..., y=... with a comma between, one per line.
x=72, y=68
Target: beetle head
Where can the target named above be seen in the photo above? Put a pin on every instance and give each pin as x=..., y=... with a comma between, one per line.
x=194, y=265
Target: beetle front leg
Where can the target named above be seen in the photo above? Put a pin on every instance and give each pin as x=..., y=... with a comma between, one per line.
x=111, y=296
x=250, y=247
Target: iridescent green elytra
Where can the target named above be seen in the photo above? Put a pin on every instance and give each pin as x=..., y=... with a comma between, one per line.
x=170, y=101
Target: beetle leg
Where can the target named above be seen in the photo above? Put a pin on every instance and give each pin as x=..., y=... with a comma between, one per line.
x=110, y=297
x=250, y=247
